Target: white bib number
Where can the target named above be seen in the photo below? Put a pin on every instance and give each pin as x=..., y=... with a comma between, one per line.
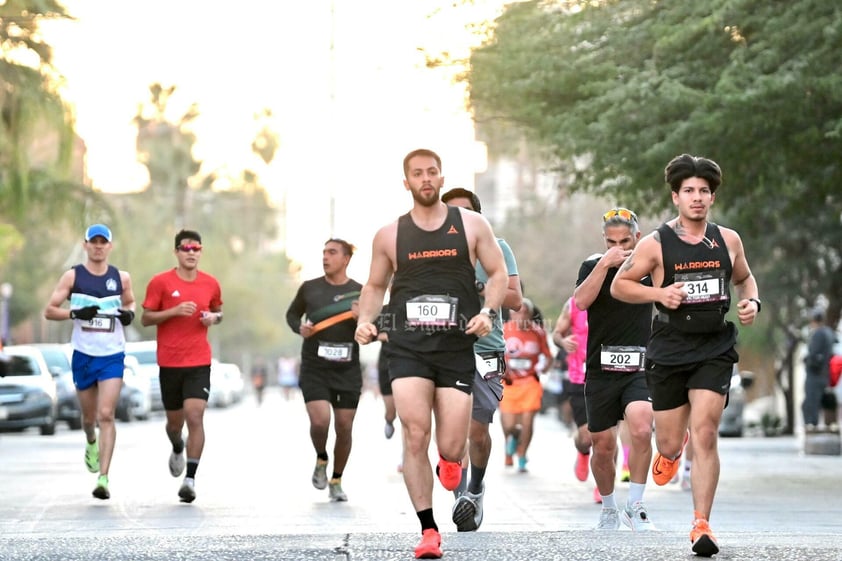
x=431, y=310
x=520, y=363
x=335, y=352
x=99, y=323
x=703, y=287
x=622, y=359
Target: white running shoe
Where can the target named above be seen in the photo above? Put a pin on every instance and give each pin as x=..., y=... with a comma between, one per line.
x=609, y=519
x=176, y=463
x=319, y=478
x=187, y=492
x=636, y=518
x=467, y=511
x=389, y=429
x=335, y=492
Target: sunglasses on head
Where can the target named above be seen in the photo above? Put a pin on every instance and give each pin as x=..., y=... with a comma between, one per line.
x=623, y=213
x=190, y=248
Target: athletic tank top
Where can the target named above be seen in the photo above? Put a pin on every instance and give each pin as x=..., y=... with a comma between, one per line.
x=433, y=294
x=579, y=328
x=103, y=335
x=613, y=324
x=705, y=268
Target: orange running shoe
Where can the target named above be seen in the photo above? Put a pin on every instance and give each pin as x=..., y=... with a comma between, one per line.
x=582, y=465
x=430, y=545
x=450, y=473
x=704, y=544
x=510, y=461
x=664, y=469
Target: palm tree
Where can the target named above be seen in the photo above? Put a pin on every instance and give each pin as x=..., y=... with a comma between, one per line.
x=37, y=135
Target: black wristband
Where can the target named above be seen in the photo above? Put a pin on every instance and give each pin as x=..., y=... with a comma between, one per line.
x=758, y=302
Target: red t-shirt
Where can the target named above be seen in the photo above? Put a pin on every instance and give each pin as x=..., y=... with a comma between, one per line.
x=183, y=340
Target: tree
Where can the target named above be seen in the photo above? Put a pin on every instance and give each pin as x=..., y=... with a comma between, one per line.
x=627, y=85
x=36, y=127
x=631, y=84
x=39, y=184
x=232, y=212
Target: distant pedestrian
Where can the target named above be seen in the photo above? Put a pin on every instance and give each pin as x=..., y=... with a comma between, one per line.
x=288, y=376
x=817, y=365
x=259, y=377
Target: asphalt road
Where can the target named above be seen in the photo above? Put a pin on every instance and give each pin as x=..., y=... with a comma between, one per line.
x=255, y=500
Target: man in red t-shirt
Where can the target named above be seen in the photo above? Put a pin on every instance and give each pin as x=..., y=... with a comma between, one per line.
x=184, y=302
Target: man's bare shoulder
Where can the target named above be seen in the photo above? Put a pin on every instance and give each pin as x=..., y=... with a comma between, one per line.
x=389, y=229
x=728, y=234
x=649, y=242
x=386, y=236
x=475, y=223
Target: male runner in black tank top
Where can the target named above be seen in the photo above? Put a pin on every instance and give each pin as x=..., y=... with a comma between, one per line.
x=615, y=381
x=431, y=252
x=691, y=352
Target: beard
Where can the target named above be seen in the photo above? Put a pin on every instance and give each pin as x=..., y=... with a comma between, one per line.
x=426, y=201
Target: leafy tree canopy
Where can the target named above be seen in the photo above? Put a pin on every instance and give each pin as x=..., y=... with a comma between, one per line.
x=627, y=85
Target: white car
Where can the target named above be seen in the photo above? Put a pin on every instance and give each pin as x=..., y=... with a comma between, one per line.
x=146, y=354
x=28, y=396
x=227, y=385
x=136, y=403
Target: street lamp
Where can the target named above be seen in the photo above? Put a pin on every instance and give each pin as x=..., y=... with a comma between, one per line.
x=6, y=290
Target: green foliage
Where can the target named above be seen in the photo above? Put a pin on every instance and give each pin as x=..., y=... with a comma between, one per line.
x=238, y=226
x=627, y=85
x=31, y=110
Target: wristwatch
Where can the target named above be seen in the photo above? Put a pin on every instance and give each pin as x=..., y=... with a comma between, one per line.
x=756, y=301
x=489, y=312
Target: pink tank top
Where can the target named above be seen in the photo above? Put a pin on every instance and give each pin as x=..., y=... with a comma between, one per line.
x=579, y=328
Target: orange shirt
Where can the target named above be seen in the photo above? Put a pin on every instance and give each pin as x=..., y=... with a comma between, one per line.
x=524, y=347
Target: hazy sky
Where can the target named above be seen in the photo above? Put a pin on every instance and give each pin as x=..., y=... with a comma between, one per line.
x=345, y=119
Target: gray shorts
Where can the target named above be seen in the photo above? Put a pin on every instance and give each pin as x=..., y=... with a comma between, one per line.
x=487, y=395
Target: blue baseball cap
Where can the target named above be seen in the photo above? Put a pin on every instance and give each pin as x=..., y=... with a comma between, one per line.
x=98, y=230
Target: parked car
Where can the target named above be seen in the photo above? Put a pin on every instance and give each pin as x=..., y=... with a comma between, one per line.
x=135, y=401
x=27, y=391
x=146, y=353
x=227, y=384
x=732, y=422
x=58, y=361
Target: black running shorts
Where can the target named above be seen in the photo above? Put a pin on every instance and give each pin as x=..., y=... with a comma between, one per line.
x=178, y=384
x=669, y=384
x=608, y=394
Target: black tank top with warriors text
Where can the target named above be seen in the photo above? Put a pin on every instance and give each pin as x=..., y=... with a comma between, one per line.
x=433, y=263
x=705, y=268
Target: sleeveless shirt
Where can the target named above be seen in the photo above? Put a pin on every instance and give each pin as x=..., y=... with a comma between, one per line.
x=612, y=322
x=102, y=336
x=433, y=263
x=707, y=259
